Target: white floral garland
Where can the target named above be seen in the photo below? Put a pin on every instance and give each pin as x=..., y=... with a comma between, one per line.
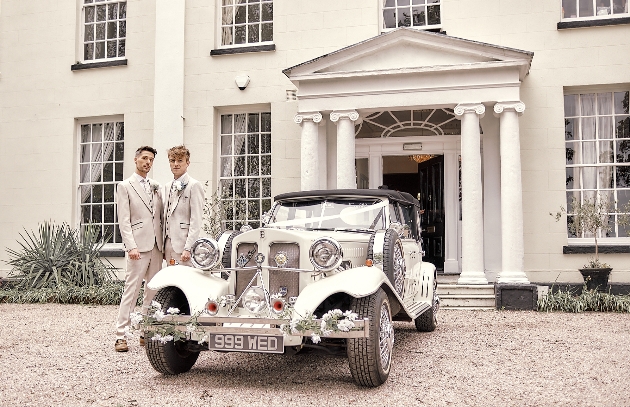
x=156, y=325
x=332, y=321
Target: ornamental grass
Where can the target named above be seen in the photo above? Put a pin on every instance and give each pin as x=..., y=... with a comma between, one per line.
x=587, y=300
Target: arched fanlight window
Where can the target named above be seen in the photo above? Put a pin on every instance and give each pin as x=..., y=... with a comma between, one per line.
x=430, y=122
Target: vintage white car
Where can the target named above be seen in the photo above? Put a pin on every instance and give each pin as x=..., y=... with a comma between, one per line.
x=328, y=268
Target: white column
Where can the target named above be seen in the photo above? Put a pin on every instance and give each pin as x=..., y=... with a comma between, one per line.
x=168, y=92
x=376, y=170
x=309, y=147
x=346, y=172
x=512, y=254
x=451, y=212
x=472, y=195
x=491, y=162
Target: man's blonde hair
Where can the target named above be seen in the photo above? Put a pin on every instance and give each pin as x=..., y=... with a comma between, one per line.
x=178, y=152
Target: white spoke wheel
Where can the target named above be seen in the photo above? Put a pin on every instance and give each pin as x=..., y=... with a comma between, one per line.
x=393, y=259
x=370, y=358
x=172, y=357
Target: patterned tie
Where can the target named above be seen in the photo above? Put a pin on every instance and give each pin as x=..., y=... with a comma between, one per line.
x=147, y=189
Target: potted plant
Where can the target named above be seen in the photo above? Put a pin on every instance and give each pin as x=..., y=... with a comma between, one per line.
x=592, y=218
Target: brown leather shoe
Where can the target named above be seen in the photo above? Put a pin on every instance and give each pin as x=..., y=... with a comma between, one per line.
x=121, y=345
x=142, y=341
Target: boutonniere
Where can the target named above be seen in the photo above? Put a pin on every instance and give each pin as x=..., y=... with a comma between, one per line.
x=179, y=186
x=154, y=185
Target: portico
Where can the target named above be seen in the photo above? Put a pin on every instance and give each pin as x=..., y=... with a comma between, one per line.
x=415, y=70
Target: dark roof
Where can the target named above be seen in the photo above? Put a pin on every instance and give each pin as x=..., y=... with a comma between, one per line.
x=397, y=196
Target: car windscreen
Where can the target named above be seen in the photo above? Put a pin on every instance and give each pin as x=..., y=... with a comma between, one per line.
x=330, y=214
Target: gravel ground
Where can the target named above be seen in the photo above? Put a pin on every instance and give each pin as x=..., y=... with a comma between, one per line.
x=63, y=355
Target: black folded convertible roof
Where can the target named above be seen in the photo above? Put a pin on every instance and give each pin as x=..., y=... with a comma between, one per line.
x=397, y=196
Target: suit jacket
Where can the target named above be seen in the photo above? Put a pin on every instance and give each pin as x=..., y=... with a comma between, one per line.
x=183, y=217
x=140, y=222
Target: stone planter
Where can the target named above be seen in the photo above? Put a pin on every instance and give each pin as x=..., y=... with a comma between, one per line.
x=596, y=279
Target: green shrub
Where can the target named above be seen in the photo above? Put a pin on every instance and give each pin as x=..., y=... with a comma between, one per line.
x=60, y=256
x=106, y=294
x=588, y=300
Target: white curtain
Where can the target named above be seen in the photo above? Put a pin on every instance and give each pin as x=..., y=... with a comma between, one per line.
x=227, y=21
x=100, y=152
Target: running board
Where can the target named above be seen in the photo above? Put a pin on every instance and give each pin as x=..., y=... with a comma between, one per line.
x=414, y=310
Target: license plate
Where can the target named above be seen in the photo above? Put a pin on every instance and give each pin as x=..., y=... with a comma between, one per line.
x=246, y=343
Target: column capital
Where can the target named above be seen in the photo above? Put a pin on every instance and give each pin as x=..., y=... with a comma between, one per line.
x=353, y=115
x=518, y=107
x=464, y=108
x=315, y=117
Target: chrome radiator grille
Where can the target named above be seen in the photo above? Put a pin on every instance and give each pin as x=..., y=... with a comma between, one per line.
x=286, y=279
x=292, y=252
x=244, y=277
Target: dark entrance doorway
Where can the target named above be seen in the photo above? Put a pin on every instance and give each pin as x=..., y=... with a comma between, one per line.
x=426, y=182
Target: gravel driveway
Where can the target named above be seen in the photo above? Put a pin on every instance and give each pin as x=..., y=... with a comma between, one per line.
x=63, y=355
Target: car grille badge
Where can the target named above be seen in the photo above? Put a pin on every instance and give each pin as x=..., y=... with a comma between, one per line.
x=242, y=260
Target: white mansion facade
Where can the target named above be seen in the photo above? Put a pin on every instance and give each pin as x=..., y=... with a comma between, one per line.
x=493, y=112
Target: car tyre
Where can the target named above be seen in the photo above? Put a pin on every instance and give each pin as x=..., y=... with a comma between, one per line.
x=370, y=358
x=172, y=357
x=427, y=321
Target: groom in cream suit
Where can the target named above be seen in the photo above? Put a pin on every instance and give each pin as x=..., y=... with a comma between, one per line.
x=140, y=212
x=183, y=209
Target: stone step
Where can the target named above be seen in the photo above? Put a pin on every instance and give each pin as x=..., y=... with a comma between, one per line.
x=465, y=289
x=447, y=278
x=456, y=296
x=467, y=302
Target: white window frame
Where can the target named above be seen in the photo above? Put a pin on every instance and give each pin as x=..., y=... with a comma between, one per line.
x=84, y=180
x=576, y=143
x=596, y=15
x=382, y=9
x=82, y=31
x=221, y=4
x=227, y=158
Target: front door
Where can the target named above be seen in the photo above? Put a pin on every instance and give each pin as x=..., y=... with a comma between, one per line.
x=431, y=197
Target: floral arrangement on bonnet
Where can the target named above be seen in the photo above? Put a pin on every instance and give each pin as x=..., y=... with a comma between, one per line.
x=156, y=324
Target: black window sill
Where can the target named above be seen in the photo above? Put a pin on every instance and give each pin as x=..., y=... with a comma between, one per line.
x=104, y=64
x=112, y=253
x=591, y=249
x=243, y=50
x=593, y=23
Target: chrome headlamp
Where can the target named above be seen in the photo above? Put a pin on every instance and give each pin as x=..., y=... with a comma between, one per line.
x=205, y=253
x=326, y=254
x=255, y=300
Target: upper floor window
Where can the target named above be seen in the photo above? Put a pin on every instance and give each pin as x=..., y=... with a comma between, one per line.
x=246, y=22
x=588, y=9
x=597, y=138
x=104, y=29
x=411, y=13
x=245, y=174
x=101, y=155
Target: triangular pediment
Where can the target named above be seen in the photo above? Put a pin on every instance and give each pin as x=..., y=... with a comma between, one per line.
x=410, y=49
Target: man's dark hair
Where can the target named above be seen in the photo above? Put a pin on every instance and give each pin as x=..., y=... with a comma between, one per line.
x=146, y=148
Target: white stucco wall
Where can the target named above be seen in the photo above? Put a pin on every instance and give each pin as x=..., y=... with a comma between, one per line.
x=40, y=98
x=586, y=58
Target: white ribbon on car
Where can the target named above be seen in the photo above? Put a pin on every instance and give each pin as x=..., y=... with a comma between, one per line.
x=360, y=209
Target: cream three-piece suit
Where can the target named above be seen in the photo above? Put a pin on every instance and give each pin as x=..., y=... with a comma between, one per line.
x=183, y=212
x=140, y=221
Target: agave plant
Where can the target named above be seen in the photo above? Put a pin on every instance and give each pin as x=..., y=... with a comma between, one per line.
x=58, y=255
